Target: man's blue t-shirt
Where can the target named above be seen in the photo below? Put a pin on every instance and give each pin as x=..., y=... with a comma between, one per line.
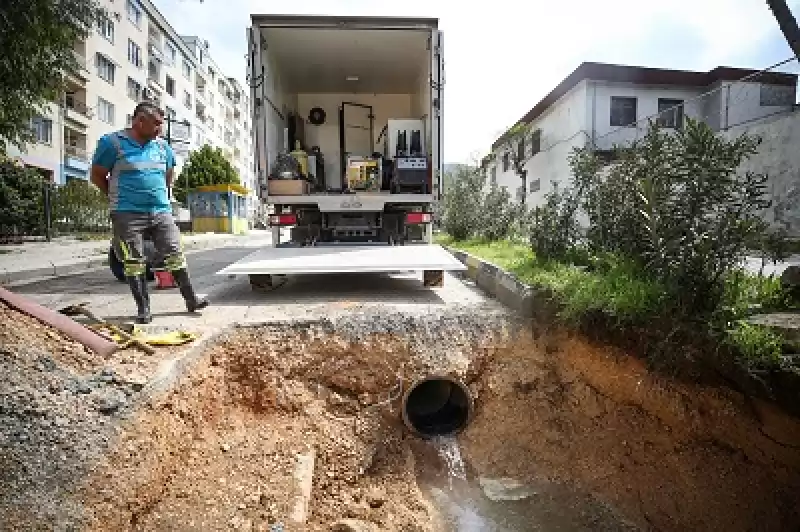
x=137, y=180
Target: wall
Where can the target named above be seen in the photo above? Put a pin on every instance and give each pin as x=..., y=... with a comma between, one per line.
x=606, y=136
x=778, y=157
x=326, y=136
x=563, y=126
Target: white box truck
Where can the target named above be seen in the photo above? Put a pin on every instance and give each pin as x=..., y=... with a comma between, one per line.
x=353, y=106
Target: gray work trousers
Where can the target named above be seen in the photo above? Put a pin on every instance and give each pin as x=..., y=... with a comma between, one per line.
x=130, y=229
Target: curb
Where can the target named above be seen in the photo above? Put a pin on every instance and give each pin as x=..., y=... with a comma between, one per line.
x=500, y=284
x=83, y=264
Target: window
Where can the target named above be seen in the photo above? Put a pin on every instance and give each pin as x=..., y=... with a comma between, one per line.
x=134, y=13
x=211, y=123
x=134, y=54
x=212, y=74
x=521, y=150
x=134, y=90
x=105, y=111
x=623, y=111
x=536, y=185
x=506, y=162
x=105, y=27
x=187, y=100
x=105, y=68
x=172, y=52
x=670, y=113
x=170, y=86
x=536, y=142
x=128, y=120
x=493, y=174
x=187, y=69
x=42, y=129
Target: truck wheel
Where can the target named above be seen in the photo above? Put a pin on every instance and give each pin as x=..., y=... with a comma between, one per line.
x=433, y=278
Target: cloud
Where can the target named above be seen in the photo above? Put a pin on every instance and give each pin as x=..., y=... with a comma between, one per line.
x=504, y=56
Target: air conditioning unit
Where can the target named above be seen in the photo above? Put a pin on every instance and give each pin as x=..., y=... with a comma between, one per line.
x=117, y=16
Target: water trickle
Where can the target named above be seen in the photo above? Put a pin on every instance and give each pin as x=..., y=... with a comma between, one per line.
x=450, y=453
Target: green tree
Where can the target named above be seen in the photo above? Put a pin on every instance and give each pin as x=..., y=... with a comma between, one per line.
x=21, y=195
x=206, y=166
x=462, y=202
x=37, y=39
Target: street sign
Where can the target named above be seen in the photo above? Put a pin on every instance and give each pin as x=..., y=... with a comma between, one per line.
x=179, y=131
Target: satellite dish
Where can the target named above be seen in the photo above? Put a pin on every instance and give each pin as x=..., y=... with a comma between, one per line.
x=317, y=116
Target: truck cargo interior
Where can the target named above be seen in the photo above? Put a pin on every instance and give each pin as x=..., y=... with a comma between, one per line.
x=335, y=90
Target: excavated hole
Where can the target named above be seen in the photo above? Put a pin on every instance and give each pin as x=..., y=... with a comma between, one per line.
x=551, y=426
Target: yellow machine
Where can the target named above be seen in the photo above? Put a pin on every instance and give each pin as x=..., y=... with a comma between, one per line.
x=363, y=174
x=301, y=157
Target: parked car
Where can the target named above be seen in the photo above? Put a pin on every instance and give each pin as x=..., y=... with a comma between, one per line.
x=118, y=268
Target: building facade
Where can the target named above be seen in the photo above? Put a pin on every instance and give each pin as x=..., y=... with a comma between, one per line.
x=604, y=106
x=133, y=54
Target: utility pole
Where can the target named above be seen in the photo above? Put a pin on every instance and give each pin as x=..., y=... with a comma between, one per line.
x=787, y=23
x=186, y=123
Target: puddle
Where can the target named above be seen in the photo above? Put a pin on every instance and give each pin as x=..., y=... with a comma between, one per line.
x=467, y=502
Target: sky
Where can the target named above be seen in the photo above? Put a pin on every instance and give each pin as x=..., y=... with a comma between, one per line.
x=502, y=57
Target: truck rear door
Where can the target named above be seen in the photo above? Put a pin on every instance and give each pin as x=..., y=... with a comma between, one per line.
x=436, y=113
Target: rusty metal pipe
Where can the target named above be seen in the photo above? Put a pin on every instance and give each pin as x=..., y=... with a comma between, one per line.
x=71, y=328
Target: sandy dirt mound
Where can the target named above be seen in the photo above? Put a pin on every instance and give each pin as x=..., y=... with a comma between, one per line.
x=668, y=455
x=219, y=451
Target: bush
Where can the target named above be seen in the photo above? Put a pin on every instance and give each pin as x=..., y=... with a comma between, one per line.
x=499, y=216
x=675, y=204
x=21, y=195
x=206, y=166
x=79, y=206
x=462, y=201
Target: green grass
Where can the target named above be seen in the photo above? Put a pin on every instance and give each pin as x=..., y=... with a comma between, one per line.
x=613, y=288
x=618, y=289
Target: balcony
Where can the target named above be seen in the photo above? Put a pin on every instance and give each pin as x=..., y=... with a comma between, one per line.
x=154, y=77
x=80, y=73
x=77, y=110
x=76, y=156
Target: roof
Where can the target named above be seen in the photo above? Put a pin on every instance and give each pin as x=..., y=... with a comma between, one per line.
x=648, y=76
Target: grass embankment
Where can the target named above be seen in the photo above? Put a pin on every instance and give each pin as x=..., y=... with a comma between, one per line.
x=616, y=289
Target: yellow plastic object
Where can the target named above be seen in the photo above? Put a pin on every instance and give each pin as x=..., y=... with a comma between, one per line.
x=164, y=339
x=301, y=157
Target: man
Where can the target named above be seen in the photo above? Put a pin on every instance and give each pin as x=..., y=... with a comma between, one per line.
x=135, y=167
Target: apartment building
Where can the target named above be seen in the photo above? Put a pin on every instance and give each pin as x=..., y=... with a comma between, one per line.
x=604, y=105
x=134, y=54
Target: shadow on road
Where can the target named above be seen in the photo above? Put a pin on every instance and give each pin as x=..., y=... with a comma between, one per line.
x=329, y=288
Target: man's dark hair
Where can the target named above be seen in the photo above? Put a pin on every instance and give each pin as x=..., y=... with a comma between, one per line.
x=148, y=108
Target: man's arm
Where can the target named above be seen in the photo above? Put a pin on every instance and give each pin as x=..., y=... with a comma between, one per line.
x=102, y=162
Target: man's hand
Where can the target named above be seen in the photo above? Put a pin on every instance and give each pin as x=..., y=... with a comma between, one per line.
x=99, y=178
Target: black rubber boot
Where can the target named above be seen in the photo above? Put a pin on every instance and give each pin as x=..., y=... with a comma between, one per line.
x=138, y=286
x=193, y=304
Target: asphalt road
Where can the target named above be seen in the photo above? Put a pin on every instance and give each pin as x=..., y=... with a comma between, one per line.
x=233, y=300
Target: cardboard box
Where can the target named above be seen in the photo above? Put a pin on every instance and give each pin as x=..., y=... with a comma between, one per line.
x=288, y=187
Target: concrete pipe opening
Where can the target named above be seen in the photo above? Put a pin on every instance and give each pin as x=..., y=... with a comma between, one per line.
x=437, y=406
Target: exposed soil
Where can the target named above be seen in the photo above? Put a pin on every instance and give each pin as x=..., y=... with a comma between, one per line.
x=219, y=449
x=670, y=456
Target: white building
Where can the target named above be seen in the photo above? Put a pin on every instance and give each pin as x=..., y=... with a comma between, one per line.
x=134, y=54
x=604, y=105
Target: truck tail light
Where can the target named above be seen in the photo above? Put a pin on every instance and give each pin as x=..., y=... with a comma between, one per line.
x=415, y=218
x=283, y=219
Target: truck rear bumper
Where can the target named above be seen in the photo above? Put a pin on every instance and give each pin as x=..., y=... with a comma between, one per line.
x=338, y=258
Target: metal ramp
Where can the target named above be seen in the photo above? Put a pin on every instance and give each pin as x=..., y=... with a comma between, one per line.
x=344, y=259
